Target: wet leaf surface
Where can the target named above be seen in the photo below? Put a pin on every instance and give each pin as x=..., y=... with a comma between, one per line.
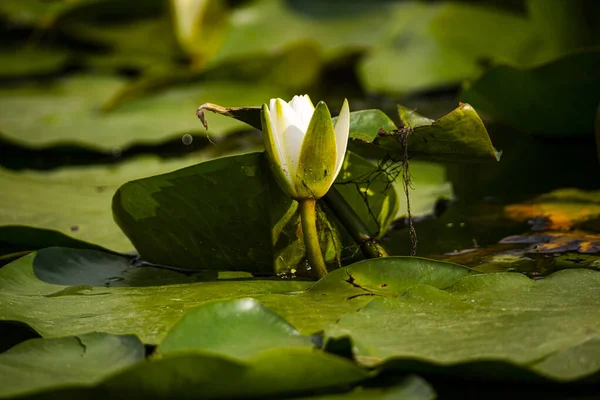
x=459, y=136
x=68, y=112
x=430, y=326
x=239, y=329
x=444, y=43
x=51, y=288
x=41, y=364
x=217, y=231
x=71, y=206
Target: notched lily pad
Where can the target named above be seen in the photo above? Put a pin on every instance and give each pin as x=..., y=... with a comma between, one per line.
x=498, y=322
x=75, y=211
x=68, y=111
x=81, y=361
x=193, y=218
x=50, y=289
x=460, y=136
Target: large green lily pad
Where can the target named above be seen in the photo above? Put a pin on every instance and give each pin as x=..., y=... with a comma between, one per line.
x=67, y=112
x=415, y=314
x=194, y=218
x=76, y=367
x=38, y=12
x=278, y=372
x=236, y=328
x=69, y=206
x=267, y=27
x=430, y=46
x=40, y=364
x=19, y=63
x=459, y=136
x=54, y=287
x=558, y=98
x=550, y=327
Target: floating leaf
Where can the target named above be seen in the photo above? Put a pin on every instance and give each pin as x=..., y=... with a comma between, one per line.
x=54, y=287
x=239, y=329
x=555, y=99
x=38, y=12
x=277, y=372
x=493, y=322
x=71, y=206
x=80, y=361
x=429, y=184
x=38, y=61
x=192, y=219
x=459, y=136
x=126, y=31
x=67, y=112
x=445, y=43
x=268, y=27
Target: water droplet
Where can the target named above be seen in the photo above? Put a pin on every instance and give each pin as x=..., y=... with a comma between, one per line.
x=187, y=139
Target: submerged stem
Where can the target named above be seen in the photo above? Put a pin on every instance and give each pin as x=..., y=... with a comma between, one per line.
x=370, y=247
x=308, y=216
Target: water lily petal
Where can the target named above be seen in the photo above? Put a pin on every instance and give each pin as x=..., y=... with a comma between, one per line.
x=342, y=130
x=318, y=158
x=304, y=109
x=288, y=132
x=277, y=161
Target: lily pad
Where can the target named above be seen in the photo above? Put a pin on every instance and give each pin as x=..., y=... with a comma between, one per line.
x=505, y=318
x=80, y=361
x=67, y=112
x=429, y=184
x=98, y=365
x=50, y=289
x=239, y=329
x=19, y=63
x=210, y=228
x=278, y=372
x=459, y=136
x=38, y=12
x=125, y=31
x=71, y=206
x=267, y=27
x=444, y=43
x=567, y=85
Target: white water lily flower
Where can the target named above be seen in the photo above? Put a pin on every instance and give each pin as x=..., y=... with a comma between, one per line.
x=305, y=150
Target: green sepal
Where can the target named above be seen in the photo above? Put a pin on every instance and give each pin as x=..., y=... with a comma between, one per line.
x=316, y=167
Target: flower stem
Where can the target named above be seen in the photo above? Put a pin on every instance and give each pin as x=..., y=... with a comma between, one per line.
x=370, y=247
x=308, y=216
